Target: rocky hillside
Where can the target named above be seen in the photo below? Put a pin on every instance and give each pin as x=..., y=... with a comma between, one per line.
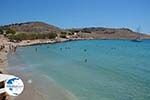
x=33, y=27
x=108, y=33
x=91, y=32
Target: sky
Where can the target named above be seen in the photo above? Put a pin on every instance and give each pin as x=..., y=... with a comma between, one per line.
x=79, y=13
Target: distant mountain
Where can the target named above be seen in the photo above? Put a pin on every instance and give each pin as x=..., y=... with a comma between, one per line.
x=108, y=33
x=89, y=32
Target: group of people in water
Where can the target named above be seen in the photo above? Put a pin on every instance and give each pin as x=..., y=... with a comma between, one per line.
x=12, y=48
x=85, y=50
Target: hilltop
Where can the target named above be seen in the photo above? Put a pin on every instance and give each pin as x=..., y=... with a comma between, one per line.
x=32, y=27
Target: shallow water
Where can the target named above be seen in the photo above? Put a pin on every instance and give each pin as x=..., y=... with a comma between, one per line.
x=90, y=69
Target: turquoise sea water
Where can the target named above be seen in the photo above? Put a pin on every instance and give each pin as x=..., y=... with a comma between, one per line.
x=91, y=69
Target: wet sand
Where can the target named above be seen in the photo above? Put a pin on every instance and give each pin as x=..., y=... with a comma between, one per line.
x=40, y=87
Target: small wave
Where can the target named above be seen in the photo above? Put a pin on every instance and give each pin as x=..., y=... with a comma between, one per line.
x=53, y=90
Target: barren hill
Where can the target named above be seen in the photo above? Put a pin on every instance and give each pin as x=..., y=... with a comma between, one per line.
x=89, y=32
x=108, y=33
x=33, y=27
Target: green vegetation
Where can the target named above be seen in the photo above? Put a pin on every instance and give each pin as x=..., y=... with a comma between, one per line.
x=74, y=30
x=63, y=34
x=70, y=33
x=10, y=31
x=31, y=36
x=1, y=31
x=51, y=35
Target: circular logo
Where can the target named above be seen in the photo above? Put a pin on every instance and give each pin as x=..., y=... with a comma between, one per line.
x=14, y=86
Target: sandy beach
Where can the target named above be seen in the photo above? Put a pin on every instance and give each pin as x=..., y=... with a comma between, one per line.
x=3, y=56
x=33, y=90
x=3, y=52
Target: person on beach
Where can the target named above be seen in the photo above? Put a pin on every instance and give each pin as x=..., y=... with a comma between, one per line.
x=2, y=47
x=12, y=48
x=15, y=47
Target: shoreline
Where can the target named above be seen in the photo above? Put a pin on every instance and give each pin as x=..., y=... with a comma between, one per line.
x=11, y=46
x=25, y=43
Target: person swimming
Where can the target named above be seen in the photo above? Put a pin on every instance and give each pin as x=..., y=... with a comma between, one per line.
x=85, y=60
x=85, y=50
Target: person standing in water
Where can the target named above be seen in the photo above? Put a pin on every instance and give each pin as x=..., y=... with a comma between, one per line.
x=36, y=49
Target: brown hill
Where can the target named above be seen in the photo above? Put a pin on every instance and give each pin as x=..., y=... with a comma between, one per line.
x=33, y=27
x=91, y=32
x=108, y=33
